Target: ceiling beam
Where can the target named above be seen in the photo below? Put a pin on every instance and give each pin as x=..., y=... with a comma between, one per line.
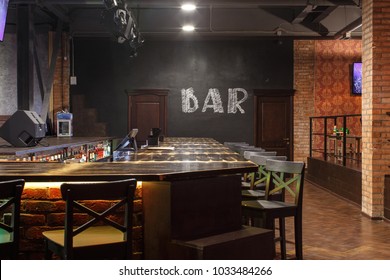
x=259, y=3
x=324, y=13
x=303, y=14
x=253, y=2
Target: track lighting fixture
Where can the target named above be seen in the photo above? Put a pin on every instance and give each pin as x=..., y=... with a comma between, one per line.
x=119, y=19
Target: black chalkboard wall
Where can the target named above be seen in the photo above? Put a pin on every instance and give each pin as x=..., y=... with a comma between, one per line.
x=104, y=71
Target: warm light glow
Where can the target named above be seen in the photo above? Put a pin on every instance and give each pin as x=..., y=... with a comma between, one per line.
x=188, y=28
x=188, y=7
x=38, y=185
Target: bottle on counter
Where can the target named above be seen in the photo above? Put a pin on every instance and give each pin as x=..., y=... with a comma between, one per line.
x=335, y=130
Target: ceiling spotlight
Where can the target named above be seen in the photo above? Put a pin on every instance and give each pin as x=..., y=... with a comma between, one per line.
x=188, y=28
x=188, y=7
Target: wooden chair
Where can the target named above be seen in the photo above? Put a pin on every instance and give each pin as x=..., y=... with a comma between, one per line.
x=107, y=234
x=236, y=147
x=247, y=178
x=249, y=153
x=258, y=179
x=229, y=144
x=10, y=194
x=283, y=176
x=244, y=149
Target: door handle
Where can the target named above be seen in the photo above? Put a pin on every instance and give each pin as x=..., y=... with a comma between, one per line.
x=286, y=139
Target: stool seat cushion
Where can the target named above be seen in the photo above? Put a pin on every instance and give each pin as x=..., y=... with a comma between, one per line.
x=90, y=237
x=5, y=236
x=253, y=194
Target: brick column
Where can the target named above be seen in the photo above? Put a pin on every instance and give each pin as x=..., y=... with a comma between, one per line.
x=375, y=104
x=61, y=77
x=61, y=83
x=304, y=57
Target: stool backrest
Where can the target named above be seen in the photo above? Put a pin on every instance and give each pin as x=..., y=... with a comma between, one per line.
x=259, y=157
x=117, y=194
x=234, y=143
x=236, y=146
x=242, y=150
x=287, y=176
x=10, y=195
x=261, y=160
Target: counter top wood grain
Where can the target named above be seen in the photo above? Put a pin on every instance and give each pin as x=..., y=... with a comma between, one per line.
x=189, y=158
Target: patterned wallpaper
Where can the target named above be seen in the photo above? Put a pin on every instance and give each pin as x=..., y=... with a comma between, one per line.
x=332, y=84
x=333, y=78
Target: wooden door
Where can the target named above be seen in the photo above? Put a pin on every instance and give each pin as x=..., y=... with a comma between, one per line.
x=274, y=121
x=147, y=109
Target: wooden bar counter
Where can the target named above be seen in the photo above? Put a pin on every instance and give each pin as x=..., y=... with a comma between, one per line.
x=189, y=188
x=190, y=157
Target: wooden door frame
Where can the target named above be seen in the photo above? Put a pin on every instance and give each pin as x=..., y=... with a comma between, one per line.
x=157, y=92
x=257, y=93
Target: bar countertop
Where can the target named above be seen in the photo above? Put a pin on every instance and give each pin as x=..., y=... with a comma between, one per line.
x=175, y=158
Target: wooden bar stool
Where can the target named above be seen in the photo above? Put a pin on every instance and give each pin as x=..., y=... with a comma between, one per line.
x=283, y=176
x=237, y=147
x=244, y=149
x=257, y=184
x=111, y=238
x=247, y=180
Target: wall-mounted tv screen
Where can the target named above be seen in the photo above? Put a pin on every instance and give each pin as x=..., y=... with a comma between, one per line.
x=357, y=78
x=3, y=16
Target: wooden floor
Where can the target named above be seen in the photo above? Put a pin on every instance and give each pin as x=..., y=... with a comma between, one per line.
x=334, y=229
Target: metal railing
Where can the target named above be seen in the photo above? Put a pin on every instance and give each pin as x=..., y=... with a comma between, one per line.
x=326, y=132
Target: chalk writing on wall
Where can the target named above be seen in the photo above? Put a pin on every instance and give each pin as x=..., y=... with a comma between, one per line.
x=187, y=95
x=216, y=103
x=190, y=103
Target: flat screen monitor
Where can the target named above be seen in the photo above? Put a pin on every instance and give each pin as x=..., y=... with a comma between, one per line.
x=356, y=78
x=128, y=142
x=3, y=17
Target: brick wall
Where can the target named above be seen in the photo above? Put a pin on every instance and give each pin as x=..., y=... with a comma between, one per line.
x=43, y=209
x=375, y=104
x=304, y=56
x=322, y=84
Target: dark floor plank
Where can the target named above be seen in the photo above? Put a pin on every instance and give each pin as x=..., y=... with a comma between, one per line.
x=334, y=229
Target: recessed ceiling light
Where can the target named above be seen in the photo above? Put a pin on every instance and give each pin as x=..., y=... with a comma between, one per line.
x=188, y=28
x=188, y=7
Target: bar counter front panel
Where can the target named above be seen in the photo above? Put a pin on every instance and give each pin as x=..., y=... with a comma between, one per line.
x=188, y=188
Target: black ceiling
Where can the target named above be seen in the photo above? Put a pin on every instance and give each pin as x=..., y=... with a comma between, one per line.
x=247, y=18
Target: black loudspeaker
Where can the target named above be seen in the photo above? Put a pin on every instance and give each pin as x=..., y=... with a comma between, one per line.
x=23, y=129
